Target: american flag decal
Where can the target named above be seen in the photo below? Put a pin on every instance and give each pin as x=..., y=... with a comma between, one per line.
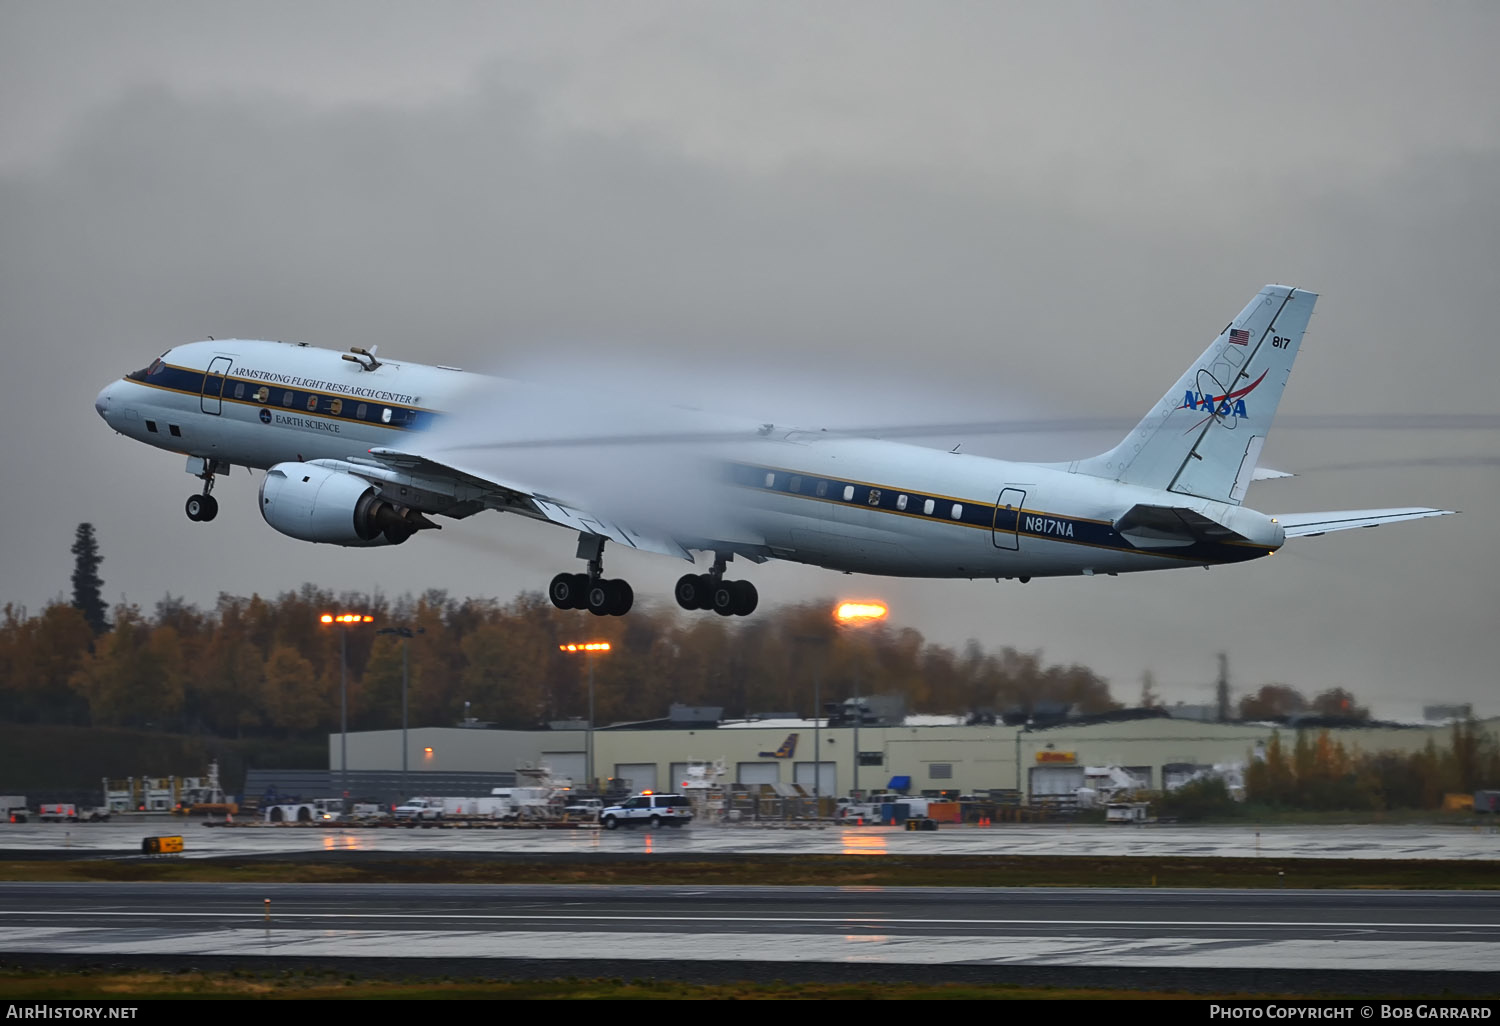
x=1239, y=337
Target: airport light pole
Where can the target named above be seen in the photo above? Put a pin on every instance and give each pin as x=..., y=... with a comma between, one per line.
x=816, y=639
x=344, y=620
x=856, y=616
x=592, y=650
x=405, y=634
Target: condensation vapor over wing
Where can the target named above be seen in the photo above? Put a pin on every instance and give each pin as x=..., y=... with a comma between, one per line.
x=649, y=467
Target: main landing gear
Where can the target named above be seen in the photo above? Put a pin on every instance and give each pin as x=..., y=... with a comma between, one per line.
x=711, y=591
x=204, y=507
x=603, y=597
x=591, y=591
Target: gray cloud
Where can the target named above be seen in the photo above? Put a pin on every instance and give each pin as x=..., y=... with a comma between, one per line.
x=1031, y=215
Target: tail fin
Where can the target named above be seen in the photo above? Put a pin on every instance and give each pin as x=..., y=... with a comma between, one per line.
x=1205, y=435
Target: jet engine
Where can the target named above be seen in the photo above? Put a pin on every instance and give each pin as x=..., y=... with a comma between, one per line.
x=318, y=504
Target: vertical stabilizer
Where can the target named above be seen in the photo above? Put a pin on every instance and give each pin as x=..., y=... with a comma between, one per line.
x=1205, y=435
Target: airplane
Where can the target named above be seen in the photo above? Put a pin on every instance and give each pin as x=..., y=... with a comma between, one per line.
x=360, y=451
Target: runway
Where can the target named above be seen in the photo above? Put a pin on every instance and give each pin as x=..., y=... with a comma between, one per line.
x=1308, y=941
x=1221, y=941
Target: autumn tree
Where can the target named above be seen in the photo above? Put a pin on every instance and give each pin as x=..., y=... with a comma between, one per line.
x=1272, y=702
x=135, y=676
x=294, y=700
x=1340, y=704
x=38, y=657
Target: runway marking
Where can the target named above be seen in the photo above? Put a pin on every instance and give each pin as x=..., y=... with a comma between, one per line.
x=1390, y=955
x=856, y=920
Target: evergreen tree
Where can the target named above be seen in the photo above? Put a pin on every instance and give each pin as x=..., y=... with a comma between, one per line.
x=86, y=580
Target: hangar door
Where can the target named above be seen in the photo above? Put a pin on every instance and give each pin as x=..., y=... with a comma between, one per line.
x=641, y=776
x=1055, y=780
x=567, y=765
x=757, y=773
x=827, y=777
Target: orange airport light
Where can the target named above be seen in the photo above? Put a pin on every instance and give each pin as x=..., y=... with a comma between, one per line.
x=858, y=613
x=590, y=646
x=346, y=618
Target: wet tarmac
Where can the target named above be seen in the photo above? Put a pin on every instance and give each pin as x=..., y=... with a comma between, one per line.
x=122, y=835
x=1224, y=941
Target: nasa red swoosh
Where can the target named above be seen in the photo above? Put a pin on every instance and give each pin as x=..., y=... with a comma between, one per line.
x=1240, y=394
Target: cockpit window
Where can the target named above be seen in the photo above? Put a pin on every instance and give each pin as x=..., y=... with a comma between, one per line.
x=149, y=372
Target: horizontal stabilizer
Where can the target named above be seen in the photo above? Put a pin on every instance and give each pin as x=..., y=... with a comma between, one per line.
x=1168, y=527
x=1306, y=525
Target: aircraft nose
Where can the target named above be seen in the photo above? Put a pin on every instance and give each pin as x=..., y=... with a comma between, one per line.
x=101, y=401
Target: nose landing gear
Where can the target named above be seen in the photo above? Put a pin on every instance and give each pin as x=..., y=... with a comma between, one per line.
x=203, y=507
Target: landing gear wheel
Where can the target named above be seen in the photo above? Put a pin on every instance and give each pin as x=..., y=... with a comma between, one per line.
x=689, y=591
x=609, y=598
x=724, y=598
x=202, y=507
x=706, y=585
x=568, y=591
x=597, y=597
x=695, y=591
x=746, y=598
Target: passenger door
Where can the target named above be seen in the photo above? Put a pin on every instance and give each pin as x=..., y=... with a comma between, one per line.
x=212, y=400
x=1007, y=523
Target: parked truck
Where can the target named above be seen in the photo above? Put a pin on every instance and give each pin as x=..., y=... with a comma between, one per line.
x=491, y=807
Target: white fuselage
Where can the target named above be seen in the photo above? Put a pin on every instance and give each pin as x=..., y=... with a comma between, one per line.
x=859, y=505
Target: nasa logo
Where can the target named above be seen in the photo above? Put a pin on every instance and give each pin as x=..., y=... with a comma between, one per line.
x=1232, y=403
x=265, y=416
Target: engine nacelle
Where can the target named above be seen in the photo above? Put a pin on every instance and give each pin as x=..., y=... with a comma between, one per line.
x=317, y=504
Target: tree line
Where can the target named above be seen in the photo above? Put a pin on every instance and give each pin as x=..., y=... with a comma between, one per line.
x=1319, y=773
x=268, y=667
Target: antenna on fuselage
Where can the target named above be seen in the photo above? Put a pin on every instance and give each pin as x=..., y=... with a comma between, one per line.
x=355, y=353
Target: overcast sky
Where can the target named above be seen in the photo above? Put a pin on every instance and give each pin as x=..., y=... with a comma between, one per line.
x=825, y=213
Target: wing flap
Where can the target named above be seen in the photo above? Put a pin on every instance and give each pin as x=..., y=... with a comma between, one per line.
x=510, y=495
x=1308, y=525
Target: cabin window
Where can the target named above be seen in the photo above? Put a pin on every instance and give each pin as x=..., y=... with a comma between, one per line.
x=262, y=394
x=848, y=493
x=335, y=406
x=287, y=398
x=794, y=485
x=385, y=415
x=958, y=511
x=312, y=403
x=239, y=390
x=822, y=489
x=175, y=430
x=770, y=480
x=928, y=507
x=901, y=502
x=359, y=411
x=151, y=426
x=874, y=497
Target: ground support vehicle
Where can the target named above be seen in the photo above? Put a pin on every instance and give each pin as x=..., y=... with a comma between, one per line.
x=652, y=810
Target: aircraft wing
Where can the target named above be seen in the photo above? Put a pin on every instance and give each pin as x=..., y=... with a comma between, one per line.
x=515, y=497
x=1307, y=525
